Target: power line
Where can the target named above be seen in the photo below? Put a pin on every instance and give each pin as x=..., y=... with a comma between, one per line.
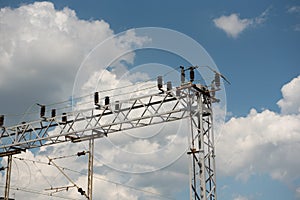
x=38, y=192
x=97, y=177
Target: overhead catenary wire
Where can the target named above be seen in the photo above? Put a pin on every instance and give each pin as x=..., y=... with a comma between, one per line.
x=99, y=178
x=18, y=170
x=39, y=170
x=39, y=192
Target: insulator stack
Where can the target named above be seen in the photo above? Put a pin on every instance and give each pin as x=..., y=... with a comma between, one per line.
x=43, y=111
x=96, y=98
x=213, y=91
x=64, y=118
x=159, y=82
x=117, y=106
x=106, y=100
x=178, y=93
x=53, y=113
x=192, y=74
x=169, y=85
x=182, y=74
x=1, y=120
x=217, y=80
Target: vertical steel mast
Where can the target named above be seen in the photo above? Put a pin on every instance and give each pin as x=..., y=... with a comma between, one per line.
x=91, y=169
x=8, y=175
x=201, y=147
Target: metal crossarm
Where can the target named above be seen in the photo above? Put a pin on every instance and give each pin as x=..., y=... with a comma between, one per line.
x=95, y=122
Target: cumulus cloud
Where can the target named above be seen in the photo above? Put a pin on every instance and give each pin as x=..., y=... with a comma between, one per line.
x=264, y=142
x=42, y=48
x=233, y=25
x=290, y=103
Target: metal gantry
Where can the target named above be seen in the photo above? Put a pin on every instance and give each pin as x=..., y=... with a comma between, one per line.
x=189, y=100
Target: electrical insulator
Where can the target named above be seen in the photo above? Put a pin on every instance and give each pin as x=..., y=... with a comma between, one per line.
x=159, y=82
x=217, y=80
x=213, y=91
x=182, y=74
x=1, y=120
x=43, y=110
x=169, y=85
x=106, y=101
x=53, y=113
x=24, y=125
x=82, y=153
x=192, y=74
x=64, y=118
x=80, y=190
x=178, y=93
x=96, y=98
x=117, y=106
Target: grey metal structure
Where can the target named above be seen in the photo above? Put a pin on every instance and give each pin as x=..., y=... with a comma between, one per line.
x=186, y=101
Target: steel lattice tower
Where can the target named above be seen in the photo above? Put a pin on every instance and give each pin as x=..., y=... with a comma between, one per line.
x=188, y=101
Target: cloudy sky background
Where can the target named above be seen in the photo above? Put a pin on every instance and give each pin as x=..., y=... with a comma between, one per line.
x=255, y=45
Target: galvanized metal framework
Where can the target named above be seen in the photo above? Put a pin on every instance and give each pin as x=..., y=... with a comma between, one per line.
x=202, y=152
x=186, y=101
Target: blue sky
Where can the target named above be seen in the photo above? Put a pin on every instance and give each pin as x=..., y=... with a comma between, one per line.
x=266, y=51
x=256, y=47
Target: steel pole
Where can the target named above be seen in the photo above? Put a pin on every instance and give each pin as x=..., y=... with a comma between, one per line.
x=8, y=175
x=90, y=170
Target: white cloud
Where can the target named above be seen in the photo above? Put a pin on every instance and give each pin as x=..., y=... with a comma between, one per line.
x=264, y=142
x=294, y=9
x=290, y=104
x=233, y=25
x=240, y=197
x=41, y=49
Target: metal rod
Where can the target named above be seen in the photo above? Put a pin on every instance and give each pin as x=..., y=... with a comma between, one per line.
x=65, y=175
x=91, y=169
x=8, y=176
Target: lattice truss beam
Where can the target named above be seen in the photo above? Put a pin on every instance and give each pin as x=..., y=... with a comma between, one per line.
x=99, y=121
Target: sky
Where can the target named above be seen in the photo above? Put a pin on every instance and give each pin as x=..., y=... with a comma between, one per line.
x=47, y=54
